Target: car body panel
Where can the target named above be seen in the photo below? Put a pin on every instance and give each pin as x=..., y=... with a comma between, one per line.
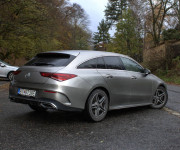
x=118, y=86
x=70, y=89
x=141, y=88
x=5, y=69
x=123, y=91
x=31, y=74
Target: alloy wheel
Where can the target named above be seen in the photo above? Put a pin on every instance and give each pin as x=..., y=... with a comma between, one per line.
x=10, y=76
x=97, y=105
x=160, y=98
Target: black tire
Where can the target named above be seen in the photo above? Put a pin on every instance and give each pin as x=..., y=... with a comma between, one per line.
x=97, y=105
x=10, y=76
x=160, y=98
x=37, y=108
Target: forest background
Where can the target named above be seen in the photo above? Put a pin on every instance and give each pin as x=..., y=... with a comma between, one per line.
x=28, y=27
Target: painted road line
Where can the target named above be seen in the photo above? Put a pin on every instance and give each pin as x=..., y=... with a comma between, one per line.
x=172, y=112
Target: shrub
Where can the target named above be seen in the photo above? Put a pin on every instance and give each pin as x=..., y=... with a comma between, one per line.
x=171, y=34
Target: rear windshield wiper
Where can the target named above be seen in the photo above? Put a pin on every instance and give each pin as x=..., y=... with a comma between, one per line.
x=43, y=64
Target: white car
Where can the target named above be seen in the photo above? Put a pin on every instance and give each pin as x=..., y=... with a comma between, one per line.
x=6, y=70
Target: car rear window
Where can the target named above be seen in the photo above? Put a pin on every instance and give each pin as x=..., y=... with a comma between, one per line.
x=113, y=62
x=51, y=59
x=100, y=63
x=90, y=64
x=95, y=63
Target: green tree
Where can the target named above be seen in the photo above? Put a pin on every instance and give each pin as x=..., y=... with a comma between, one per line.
x=23, y=28
x=96, y=40
x=171, y=34
x=102, y=37
x=127, y=38
x=114, y=10
x=31, y=26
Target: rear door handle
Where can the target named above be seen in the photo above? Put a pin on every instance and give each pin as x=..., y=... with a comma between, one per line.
x=133, y=77
x=109, y=76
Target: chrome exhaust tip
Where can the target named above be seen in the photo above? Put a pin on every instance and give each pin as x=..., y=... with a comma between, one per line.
x=48, y=105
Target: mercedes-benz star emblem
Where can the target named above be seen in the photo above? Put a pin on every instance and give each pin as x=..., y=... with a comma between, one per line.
x=27, y=75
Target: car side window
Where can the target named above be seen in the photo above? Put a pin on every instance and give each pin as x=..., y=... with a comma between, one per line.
x=100, y=63
x=130, y=65
x=113, y=62
x=90, y=64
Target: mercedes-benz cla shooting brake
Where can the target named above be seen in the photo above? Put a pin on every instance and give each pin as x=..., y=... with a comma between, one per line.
x=90, y=81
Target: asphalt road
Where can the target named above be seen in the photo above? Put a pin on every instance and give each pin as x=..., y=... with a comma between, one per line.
x=3, y=81
x=127, y=129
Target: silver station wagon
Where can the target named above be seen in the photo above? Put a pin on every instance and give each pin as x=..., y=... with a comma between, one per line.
x=90, y=81
x=6, y=70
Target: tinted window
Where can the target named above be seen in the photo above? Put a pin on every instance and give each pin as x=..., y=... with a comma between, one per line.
x=89, y=64
x=130, y=65
x=113, y=62
x=50, y=59
x=100, y=63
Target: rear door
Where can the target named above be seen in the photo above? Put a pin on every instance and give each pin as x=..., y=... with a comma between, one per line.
x=141, y=84
x=116, y=78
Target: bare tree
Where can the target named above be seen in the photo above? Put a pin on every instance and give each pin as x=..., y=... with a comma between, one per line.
x=158, y=13
x=79, y=25
x=175, y=14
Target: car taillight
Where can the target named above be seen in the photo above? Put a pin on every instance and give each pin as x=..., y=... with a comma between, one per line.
x=16, y=72
x=58, y=76
x=49, y=91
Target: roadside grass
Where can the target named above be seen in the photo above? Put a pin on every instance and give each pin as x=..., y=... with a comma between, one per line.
x=170, y=76
x=172, y=80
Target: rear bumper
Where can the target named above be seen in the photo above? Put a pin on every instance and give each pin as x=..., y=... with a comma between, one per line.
x=43, y=102
x=68, y=93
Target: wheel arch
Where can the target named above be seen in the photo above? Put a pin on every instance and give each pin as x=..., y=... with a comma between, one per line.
x=162, y=104
x=102, y=88
x=162, y=85
x=157, y=84
x=9, y=73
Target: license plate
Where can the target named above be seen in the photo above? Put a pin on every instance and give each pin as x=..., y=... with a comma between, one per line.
x=26, y=92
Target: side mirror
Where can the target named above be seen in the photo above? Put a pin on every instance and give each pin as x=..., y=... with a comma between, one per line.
x=147, y=71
